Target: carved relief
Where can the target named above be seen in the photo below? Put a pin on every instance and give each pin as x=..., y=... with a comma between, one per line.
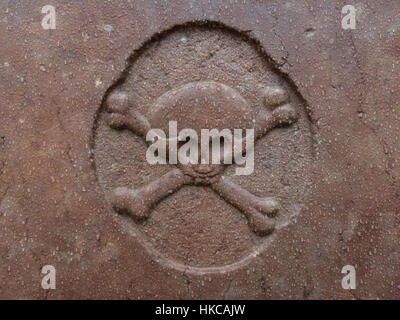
x=203, y=218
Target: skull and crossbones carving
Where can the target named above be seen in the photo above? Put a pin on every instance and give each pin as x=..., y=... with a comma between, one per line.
x=200, y=105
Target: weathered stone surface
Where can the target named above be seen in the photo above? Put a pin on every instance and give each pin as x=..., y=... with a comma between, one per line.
x=335, y=170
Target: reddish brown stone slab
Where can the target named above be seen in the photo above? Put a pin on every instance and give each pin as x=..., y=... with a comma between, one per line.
x=335, y=170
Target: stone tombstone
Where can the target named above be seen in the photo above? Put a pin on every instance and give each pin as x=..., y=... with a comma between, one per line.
x=79, y=198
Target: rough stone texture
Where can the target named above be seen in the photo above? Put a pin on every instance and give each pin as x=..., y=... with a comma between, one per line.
x=52, y=203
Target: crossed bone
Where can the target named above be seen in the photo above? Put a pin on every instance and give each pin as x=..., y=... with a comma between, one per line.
x=138, y=203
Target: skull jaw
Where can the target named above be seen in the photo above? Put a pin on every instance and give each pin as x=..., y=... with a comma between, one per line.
x=203, y=174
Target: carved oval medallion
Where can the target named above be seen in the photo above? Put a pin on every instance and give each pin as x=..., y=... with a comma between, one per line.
x=203, y=218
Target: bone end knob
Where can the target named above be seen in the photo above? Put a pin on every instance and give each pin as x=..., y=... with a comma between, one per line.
x=118, y=102
x=268, y=206
x=128, y=201
x=261, y=224
x=285, y=115
x=274, y=97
